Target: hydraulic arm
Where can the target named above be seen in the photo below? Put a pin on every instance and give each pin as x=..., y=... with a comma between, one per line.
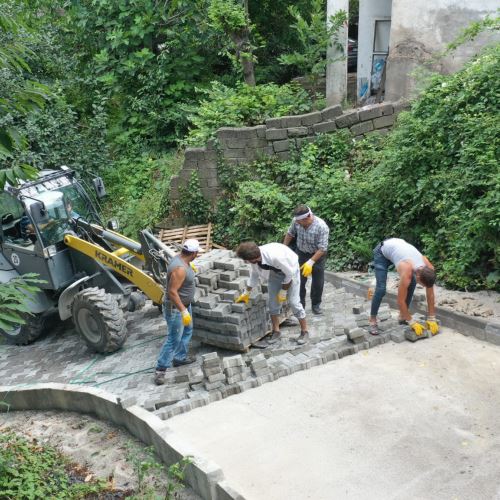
x=112, y=249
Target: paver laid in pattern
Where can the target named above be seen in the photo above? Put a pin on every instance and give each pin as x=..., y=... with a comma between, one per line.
x=217, y=373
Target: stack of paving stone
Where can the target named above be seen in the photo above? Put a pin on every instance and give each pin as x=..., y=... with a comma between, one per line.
x=259, y=366
x=218, y=320
x=212, y=369
x=235, y=369
x=385, y=323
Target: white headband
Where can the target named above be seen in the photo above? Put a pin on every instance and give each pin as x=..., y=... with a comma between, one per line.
x=303, y=216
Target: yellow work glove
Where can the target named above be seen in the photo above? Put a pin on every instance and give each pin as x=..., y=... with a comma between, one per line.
x=417, y=327
x=186, y=317
x=281, y=297
x=244, y=297
x=193, y=267
x=432, y=325
x=307, y=268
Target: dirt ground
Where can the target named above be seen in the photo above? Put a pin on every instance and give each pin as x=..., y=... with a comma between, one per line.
x=107, y=451
x=484, y=304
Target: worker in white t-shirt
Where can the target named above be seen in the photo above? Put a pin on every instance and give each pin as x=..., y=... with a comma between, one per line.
x=413, y=268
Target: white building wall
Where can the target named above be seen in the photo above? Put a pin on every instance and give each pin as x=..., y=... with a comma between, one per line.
x=420, y=29
x=369, y=11
x=336, y=72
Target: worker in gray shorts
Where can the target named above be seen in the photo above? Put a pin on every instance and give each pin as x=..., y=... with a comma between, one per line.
x=280, y=266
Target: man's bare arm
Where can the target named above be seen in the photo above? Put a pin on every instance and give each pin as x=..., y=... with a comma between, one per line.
x=405, y=276
x=288, y=239
x=317, y=255
x=176, y=280
x=431, y=308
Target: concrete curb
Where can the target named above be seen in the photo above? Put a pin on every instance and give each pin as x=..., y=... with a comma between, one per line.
x=205, y=477
x=466, y=325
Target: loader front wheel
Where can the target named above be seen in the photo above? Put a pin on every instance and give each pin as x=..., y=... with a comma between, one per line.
x=99, y=319
x=24, y=334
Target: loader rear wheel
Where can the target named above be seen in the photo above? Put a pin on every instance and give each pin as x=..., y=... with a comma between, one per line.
x=27, y=333
x=99, y=320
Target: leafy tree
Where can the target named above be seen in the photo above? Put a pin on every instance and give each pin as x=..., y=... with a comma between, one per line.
x=272, y=21
x=13, y=306
x=316, y=36
x=230, y=17
x=21, y=97
x=146, y=58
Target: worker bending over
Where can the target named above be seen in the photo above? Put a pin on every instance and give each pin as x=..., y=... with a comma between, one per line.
x=280, y=265
x=413, y=268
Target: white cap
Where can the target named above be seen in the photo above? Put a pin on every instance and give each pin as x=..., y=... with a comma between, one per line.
x=191, y=245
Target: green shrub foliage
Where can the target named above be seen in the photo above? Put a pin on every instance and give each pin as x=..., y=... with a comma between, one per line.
x=433, y=181
x=242, y=105
x=138, y=188
x=192, y=204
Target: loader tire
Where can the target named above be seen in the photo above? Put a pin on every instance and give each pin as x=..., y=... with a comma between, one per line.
x=99, y=319
x=27, y=333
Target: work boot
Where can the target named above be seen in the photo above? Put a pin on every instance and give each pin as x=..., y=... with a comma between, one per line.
x=160, y=377
x=303, y=338
x=182, y=362
x=274, y=337
x=317, y=309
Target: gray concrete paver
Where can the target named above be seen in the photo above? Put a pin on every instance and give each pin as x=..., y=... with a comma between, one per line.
x=63, y=357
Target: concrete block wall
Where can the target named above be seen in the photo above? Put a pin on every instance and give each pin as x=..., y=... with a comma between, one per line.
x=278, y=137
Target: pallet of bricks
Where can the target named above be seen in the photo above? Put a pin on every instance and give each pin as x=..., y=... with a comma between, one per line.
x=217, y=319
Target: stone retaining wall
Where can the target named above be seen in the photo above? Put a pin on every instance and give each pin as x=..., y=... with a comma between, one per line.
x=278, y=137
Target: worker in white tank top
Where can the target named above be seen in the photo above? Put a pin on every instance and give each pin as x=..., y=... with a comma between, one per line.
x=412, y=268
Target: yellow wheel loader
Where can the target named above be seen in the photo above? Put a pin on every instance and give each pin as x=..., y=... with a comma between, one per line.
x=94, y=275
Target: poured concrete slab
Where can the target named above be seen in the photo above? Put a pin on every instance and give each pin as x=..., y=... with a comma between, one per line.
x=401, y=421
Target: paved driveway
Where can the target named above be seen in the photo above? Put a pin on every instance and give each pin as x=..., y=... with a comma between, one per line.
x=400, y=421
x=63, y=357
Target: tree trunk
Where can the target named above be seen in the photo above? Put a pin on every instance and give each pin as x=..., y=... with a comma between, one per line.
x=244, y=54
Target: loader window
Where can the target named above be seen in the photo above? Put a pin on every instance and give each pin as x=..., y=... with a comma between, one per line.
x=10, y=205
x=59, y=222
x=11, y=212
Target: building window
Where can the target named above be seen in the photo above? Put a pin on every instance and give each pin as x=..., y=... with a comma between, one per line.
x=381, y=37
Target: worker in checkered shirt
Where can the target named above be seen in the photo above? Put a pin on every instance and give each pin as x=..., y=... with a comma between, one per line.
x=310, y=234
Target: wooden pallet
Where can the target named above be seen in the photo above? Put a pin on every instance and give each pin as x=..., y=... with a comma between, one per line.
x=174, y=238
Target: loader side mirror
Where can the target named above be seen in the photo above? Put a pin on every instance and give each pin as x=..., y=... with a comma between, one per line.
x=100, y=190
x=39, y=213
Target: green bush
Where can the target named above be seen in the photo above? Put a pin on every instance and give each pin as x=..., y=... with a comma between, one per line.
x=28, y=470
x=434, y=181
x=444, y=159
x=242, y=105
x=192, y=204
x=138, y=188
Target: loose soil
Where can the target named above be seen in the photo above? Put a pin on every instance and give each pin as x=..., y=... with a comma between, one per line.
x=102, y=448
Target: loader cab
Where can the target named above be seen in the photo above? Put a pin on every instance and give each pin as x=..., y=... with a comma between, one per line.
x=35, y=217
